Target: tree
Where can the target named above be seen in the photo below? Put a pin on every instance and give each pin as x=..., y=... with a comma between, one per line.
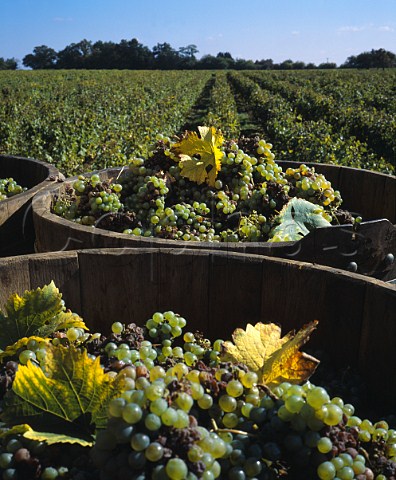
x=8, y=64
x=75, y=55
x=327, y=65
x=267, y=64
x=165, y=57
x=42, y=57
x=375, y=59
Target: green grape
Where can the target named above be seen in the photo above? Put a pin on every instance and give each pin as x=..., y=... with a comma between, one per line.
x=169, y=417
x=234, y=388
x=346, y=473
x=152, y=422
x=333, y=415
x=49, y=473
x=116, y=407
x=140, y=441
x=324, y=445
x=11, y=474
x=249, y=379
x=326, y=471
x=132, y=413
x=227, y=403
x=72, y=334
x=176, y=469
x=184, y=401
x=294, y=403
x=117, y=327
x=195, y=453
x=182, y=419
x=6, y=460
x=317, y=397
x=25, y=356
x=358, y=467
x=205, y=402
x=154, y=452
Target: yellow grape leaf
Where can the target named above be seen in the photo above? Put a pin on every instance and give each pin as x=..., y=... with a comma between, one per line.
x=68, y=396
x=200, y=158
x=11, y=350
x=52, y=438
x=275, y=359
x=38, y=312
x=15, y=430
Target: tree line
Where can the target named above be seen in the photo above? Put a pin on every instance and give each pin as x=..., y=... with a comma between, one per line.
x=131, y=54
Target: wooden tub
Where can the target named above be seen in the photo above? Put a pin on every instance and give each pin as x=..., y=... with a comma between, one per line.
x=16, y=223
x=219, y=291
x=371, y=247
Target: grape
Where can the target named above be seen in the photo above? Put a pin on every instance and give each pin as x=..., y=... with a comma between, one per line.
x=26, y=355
x=326, y=471
x=6, y=460
x=154, y=452
x=147, y=197
x=132, y=413
x=234, y=388
x=152, y=422
x=11, y=474
x=346, y=473
x=176, y=469
x=49, y=473
x=72, y=334
x=324, y=445
x=227, y=403
x=140, y=442
x=117, y=327
x=317, y=397
x=184, y=401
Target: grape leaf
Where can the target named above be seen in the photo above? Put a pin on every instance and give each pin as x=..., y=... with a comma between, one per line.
x=297, y=218
x=275, y=359
x=37, y=312
x=200, y=158
x=68, y=396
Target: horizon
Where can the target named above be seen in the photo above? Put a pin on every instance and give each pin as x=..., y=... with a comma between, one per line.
x=312, y=31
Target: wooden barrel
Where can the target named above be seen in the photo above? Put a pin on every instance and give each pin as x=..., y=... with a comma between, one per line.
x=370, y=248
x=16, y=223
x=219, y=291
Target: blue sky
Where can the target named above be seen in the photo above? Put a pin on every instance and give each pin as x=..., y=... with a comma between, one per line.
x=308, y=30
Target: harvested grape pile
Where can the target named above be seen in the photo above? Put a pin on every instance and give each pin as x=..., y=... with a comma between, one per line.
x=161, y=402
x=9, y=187
x=206, y=189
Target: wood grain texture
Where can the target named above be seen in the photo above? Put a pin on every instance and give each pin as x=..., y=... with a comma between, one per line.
x=219, y=291
x=330, y=246
x=16, y=223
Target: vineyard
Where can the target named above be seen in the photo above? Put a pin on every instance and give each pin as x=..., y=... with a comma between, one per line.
x=80, y=121
x=203, y=267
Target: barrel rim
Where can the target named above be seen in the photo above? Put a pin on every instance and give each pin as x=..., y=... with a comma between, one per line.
x=188, y=252
x=52, y=175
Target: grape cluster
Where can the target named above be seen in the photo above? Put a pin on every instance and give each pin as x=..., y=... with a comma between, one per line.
x=24, y=459
x=156, y=200
x=9, y=187
x=89, y=201
x=186, y=414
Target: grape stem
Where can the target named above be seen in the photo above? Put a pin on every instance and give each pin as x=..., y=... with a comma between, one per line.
x=216, y=429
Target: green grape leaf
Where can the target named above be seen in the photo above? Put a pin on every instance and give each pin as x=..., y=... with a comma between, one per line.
x=68, y=396
x=37, y=312
x=200, y=158
x=296, y=219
